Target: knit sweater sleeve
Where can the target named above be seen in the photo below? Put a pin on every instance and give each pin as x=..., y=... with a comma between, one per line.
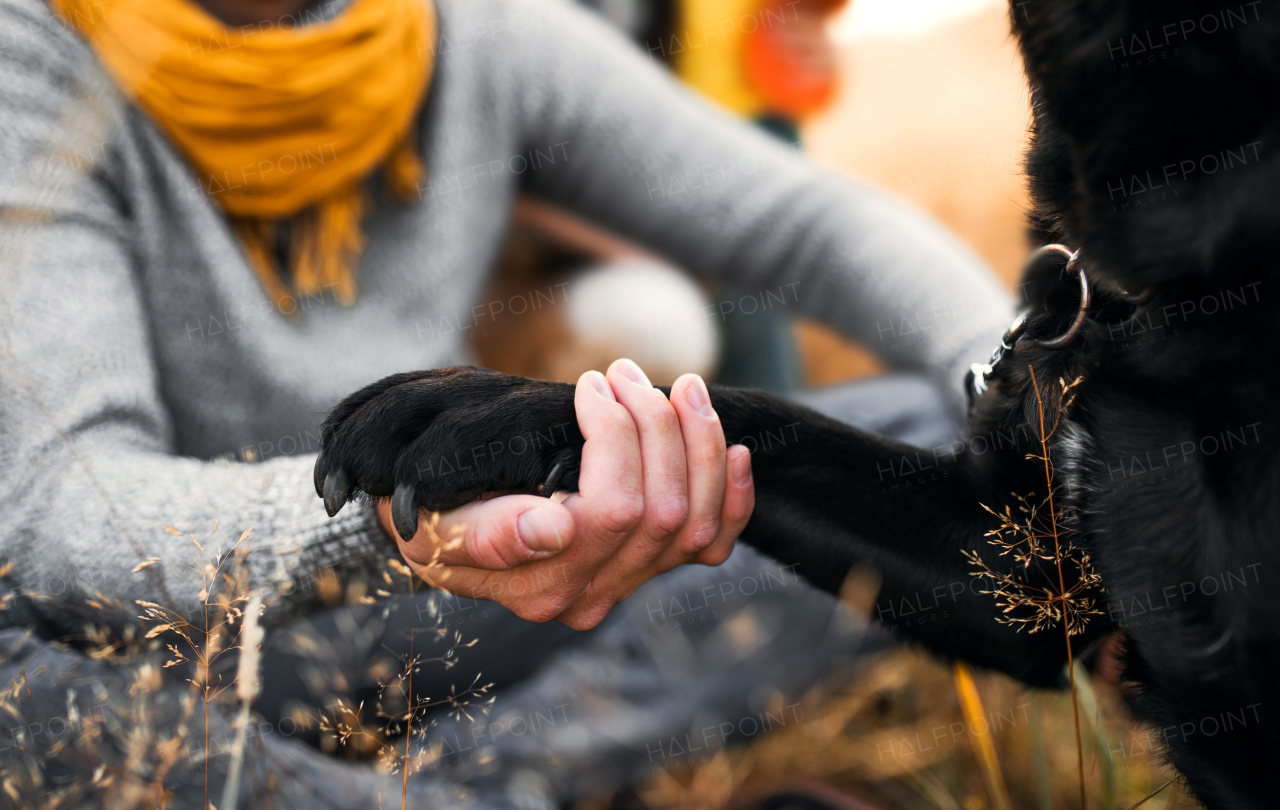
x=644, y=156
x=87, y=465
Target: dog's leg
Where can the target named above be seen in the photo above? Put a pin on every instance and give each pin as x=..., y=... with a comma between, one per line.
x=828, y=496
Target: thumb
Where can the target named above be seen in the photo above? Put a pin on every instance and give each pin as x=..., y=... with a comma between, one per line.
x=495, y=534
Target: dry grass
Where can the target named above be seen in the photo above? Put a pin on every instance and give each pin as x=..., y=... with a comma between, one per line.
x=138, y=731
x=896, y=735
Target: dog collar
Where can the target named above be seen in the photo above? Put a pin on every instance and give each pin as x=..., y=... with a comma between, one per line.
x=981, y=371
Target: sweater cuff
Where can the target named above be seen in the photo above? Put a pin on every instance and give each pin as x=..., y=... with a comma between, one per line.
x=297, y=540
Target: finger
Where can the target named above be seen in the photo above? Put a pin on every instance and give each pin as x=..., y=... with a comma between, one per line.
x=495, y=534
x=739, y=501
x=610, y=498
x=606, y=509
x=704, y=452
x=662, y=455
x=664, y=470
x=665, y=496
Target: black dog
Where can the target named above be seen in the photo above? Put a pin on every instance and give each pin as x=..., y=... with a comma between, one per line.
x=1153, y=155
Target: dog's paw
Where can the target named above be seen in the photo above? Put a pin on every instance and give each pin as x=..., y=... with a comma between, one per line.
x=440, y=438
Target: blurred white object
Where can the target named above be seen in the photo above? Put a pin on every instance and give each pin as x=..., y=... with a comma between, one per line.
x=648, y=311
x=905, y=19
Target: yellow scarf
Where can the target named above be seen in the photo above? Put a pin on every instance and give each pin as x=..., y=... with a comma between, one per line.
x=281, y=120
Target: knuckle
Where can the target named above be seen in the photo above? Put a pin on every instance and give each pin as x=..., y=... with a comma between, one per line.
x=617, y=419
x=539, y=610
x=584, y=622
x=665, y=417
x=669, y=514
x=622, y=512
x=701, y=534
x=592, y=613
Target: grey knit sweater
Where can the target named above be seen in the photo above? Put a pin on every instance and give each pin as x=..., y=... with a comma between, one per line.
x=139, y=357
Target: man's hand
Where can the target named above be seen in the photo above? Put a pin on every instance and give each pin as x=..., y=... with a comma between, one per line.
x=657, y=489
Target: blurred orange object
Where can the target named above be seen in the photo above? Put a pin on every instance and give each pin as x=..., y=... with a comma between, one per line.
x=792, y=65
x=757, y=57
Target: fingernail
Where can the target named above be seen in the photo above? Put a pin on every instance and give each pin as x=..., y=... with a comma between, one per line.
x=632, y=372
x=539, y=531
x=742, y=470
x=601, y=385
x=698, y=398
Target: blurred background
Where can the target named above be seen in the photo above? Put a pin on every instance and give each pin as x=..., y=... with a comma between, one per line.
x=923, y=98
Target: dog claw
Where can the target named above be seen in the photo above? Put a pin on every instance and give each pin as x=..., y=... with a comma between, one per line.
x=319, y=475
x=336, y=489
x=404, y=513
x=553, y=480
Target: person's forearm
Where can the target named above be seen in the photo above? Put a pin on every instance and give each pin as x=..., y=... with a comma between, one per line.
x=92, y=511
x=665, y=169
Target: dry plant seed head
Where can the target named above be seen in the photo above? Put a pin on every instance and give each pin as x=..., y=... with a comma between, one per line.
x=434, y=572
x=1026, y=538
x=1026, y=605
x=1037, y=537
x=250, y=644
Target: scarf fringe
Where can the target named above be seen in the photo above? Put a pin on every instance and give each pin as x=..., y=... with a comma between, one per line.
x=326, y=239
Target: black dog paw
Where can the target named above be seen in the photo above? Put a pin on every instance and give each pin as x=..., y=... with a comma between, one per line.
x=441, y=438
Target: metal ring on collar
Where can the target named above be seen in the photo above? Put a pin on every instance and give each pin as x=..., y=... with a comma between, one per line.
x=1085, y=295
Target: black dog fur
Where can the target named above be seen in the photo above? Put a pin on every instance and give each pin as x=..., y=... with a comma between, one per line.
x=1167, y=458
